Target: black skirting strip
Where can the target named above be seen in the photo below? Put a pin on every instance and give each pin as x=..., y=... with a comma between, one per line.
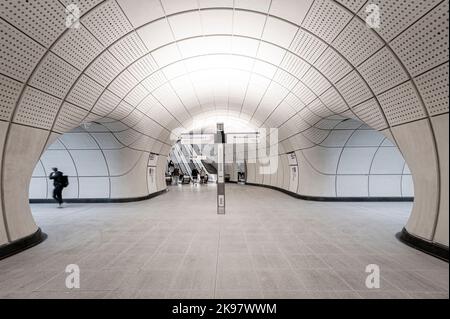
x=97, y=200
x=22, y=244
x=337, y=199
x=433, y=249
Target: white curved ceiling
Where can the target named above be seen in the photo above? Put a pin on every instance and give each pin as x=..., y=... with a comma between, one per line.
x=157, y=65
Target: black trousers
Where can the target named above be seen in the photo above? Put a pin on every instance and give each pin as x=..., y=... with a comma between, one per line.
x=57, y=194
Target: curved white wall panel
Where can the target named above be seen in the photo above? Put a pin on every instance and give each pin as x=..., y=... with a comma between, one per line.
x=353, y=161
x=323, y=60
x=98, y=166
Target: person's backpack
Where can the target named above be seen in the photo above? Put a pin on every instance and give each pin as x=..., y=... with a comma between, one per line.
x=65, y=181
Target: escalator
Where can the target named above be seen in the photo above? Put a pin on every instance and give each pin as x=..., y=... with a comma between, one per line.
x=185, y=158
x=210, y=168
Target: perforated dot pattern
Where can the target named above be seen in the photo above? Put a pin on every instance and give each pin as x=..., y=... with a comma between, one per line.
x=133, y=119
x=107, y=102
x=107, y=22
x=285, y=79
x=383, y=71
x=326, y=19
x=353, y=5
x=303, y=93
x=136, y=95
x=104, y=69
x=316, y=81
x=370, y=113
x=433, y=87
x=333, y=101
x=294, y=102
x=154, y=81
x=9, y=94
x=42, y=20
x=127, y=137
x=78, y=47
x=19, y=54
x=315, y=135
x=353, y=89
x=398, y=15
x=425, y=44
x=69, y=117
x=143, y=67
x=296, y=123
x=307, y=46
x=401, y=105
x=357, y=42
x=54, y=76
x=309, y=116
x=91, y=118
x=85, y=92
x=149, y=128
x=37, y=109
x=129, y=49
x=84, y=5
x=332, y=65
x=123, y=84
x=294, y=65
x=319, y=109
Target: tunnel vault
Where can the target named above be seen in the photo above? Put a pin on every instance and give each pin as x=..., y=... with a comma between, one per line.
x=151, y=67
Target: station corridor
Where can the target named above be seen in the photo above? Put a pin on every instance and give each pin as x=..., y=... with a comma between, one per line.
x=262, y=149
x=269, y=245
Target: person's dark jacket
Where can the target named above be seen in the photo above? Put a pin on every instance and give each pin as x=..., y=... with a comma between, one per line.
x=194, y=173
x=57, y=178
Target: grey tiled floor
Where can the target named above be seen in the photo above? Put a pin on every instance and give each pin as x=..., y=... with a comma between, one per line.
x=268, y=245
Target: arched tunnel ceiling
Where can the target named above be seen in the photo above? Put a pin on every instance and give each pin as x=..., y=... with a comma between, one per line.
x=157, y=65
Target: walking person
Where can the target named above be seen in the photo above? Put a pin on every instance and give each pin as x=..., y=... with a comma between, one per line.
x=181, y=178
x=175, y=175
x=194, y=174
x=59, y=182
x=202, y=176
x=171, y=168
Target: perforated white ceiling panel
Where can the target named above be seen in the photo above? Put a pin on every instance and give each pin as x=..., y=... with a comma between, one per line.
x=37, y=109
x=129, y=49
x=371, y=114
x=69, y=117
x=402, y=104
x=84, y=5
x=41, y=20
x=425, y=44
x=307, y=46
x=357, y=42
x=54, y=75
x=333, y=101
x=353, y=5
x=9, y=95
x=79, y=47
x=286, y=63
x=19, y=54
x=326, y=19
x=85, y=92
x=105, y=68
x=354, y=89
x=398, y=15
x=434, y=88
x=332, y=65
x=373, y=71
x=107, y=23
